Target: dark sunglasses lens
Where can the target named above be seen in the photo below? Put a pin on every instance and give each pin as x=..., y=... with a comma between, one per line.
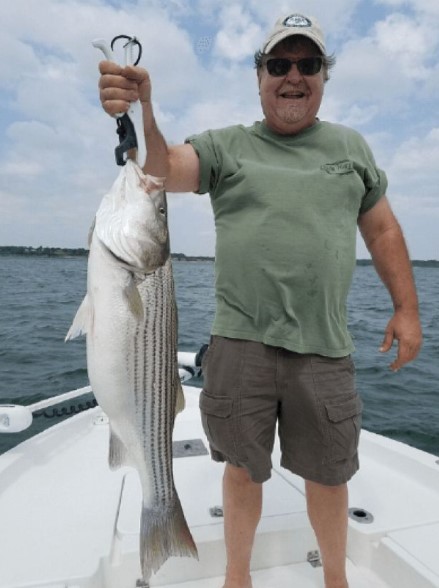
x=310, y=65
x=278, y=67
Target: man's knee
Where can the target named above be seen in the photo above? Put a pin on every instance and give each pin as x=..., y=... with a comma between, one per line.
x=238, y=475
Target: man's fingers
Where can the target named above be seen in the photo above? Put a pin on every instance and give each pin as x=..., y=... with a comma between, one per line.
x=138, y=74
x=387, y=341
x=109, y=67
x=119, y=86
x=110, y=81
x=119, y=94
x=407, y=352
x=141, y=78
x=116, y=93
x=406, y=330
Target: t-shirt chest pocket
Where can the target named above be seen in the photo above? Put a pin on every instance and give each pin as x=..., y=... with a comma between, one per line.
x=342, y=184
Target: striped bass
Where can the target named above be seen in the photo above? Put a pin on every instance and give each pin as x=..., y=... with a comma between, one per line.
x=129, y=316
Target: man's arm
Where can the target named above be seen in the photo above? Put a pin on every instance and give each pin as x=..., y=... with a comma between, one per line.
x=179, y=164
x=385, y=242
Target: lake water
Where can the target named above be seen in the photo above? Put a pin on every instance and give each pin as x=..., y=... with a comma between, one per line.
x=39, y=297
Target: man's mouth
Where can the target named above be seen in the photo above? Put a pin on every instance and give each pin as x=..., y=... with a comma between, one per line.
x=292, y=95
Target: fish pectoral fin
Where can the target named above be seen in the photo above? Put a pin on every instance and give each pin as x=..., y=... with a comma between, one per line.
x=118, y=454
x=83, y=320
x=134, y=300
x=180, y=401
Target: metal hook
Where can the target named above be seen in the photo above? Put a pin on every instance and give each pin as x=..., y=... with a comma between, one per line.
x=125, y=126
x=130, y=40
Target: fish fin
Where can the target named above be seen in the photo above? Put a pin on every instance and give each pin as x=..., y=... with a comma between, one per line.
x=118, y=454
x=180, y=402
x=91, y=231
x=134, y=300
x=82, y=321
x=164, y=533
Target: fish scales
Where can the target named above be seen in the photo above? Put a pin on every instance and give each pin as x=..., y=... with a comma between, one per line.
x=130, y=317
x=156, y=420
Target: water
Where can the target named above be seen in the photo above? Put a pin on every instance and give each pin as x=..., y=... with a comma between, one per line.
x=39, y=297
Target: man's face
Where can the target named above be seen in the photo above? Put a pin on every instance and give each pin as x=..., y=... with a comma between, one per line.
x=290, y=103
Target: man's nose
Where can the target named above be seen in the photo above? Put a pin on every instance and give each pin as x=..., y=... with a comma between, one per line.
x=294, y=73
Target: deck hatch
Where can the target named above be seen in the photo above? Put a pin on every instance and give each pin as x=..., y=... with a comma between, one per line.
x=189, y=448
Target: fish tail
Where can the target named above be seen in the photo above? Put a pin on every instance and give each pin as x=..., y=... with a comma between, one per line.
x=164, y=533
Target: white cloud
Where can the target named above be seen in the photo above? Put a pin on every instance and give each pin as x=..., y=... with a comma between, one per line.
x=385, y=72
x=239, y=34
x=57, y=144
x=407, y=41
x=427, y=7
x=415, y=168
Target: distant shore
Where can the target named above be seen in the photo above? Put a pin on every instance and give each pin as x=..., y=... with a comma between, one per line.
x=80, y=252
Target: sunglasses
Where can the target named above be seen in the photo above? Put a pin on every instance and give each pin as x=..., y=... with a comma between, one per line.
x=280, y=66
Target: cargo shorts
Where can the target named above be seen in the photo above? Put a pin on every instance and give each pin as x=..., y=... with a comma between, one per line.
x=250, y=389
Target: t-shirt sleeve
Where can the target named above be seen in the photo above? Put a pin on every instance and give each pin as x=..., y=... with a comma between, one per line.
x=210, y=160
x=374, y=178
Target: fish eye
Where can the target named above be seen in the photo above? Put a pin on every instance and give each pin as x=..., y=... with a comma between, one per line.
x=162, y=210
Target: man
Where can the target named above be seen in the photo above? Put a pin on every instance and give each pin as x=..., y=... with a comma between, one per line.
x=287, y=193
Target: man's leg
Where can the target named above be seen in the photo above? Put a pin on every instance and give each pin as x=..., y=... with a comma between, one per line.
x=242, y=511
x=328, y=513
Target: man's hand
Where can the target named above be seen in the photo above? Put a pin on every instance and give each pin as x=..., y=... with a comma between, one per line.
x=406, y=329
x=119, y=86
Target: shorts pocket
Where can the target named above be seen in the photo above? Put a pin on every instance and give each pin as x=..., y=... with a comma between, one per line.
x=218, y=406
x=343, y=426
x=218, y=424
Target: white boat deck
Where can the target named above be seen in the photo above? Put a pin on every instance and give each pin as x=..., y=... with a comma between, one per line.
x=66, y=521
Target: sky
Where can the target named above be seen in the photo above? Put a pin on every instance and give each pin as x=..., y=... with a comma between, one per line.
x=57, y=144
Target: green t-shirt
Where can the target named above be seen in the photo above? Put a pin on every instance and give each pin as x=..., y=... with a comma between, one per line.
x=286, y=210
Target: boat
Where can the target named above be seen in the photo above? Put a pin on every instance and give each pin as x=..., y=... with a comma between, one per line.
x=67, y=521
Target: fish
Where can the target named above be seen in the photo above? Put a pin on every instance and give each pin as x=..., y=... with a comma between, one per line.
x=129, y=317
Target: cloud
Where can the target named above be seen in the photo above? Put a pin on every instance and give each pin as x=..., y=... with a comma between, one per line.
x=239, y=34
x=384, y=72
x=425, y=7
x=415, y=171
x=57, y=144
x=408, y=42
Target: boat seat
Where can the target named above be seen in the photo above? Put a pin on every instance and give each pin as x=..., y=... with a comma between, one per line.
x=413, y=553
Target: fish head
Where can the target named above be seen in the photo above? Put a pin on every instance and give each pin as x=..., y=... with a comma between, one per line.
x=132, y=220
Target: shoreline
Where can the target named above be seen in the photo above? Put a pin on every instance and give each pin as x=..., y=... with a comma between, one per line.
x=63, y=252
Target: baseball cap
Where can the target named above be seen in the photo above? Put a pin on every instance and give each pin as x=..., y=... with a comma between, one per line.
x=295, y=24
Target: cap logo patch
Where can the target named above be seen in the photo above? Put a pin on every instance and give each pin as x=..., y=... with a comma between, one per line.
x=297, y=20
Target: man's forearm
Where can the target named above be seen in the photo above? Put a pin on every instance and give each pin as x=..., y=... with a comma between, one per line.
x=392, y=263
x=157, y=153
